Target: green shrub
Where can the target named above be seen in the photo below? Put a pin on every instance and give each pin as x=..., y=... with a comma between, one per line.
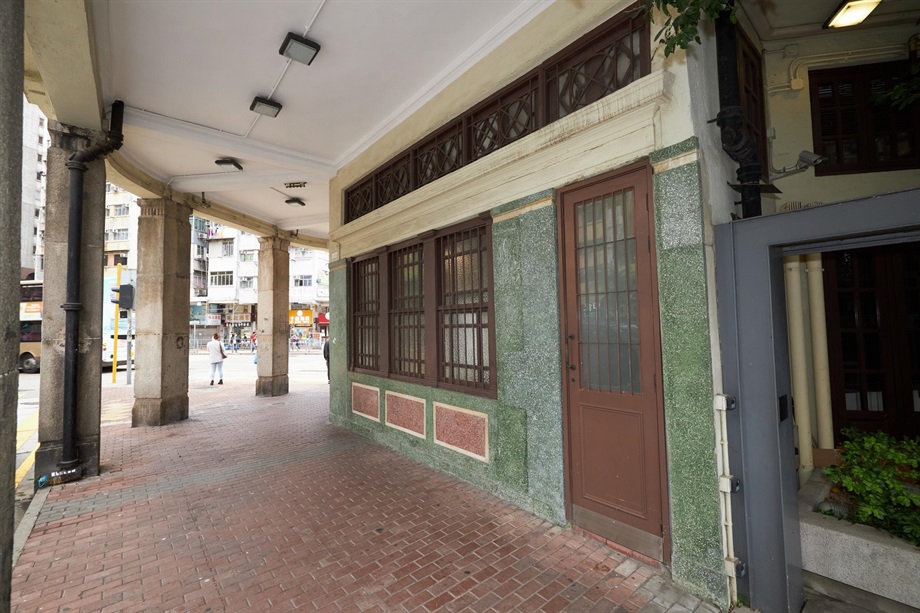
x=880, y=475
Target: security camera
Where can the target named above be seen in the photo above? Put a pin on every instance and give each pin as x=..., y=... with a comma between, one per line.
x=807, y=158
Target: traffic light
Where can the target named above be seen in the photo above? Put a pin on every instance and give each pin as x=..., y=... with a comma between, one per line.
x=123, y=296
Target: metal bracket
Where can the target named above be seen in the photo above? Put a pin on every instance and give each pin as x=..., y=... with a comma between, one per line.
x=734, y=567
x=724, y=402
x=729, y=484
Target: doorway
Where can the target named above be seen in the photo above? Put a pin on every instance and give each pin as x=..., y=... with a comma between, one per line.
x=612, y=404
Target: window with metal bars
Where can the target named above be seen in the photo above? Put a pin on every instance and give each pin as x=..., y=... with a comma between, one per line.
x=464, y=307
x=855, y=129
x=407, y=312
x=607, y=59
x=366, y=314
x=435, y=295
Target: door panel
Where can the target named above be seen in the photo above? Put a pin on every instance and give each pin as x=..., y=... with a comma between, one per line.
x=613, y=412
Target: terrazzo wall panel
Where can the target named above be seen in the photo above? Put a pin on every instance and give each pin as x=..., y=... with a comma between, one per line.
x=405, y=413
x=687, y=378
x=462, y=430
x=365, y=401
x=521, y=428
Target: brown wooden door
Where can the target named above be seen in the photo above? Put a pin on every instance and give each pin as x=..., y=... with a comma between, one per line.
x=610, y=331
x=872, y=299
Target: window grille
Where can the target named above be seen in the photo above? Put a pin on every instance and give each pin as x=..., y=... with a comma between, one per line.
x=596, y=68
x=393, y=181
x=440, y=155
x=366, y=318
x=506, y=118
x=433, y=298
x=407, y=312
x=303, y=280
x=226, y=248
x=463, y=310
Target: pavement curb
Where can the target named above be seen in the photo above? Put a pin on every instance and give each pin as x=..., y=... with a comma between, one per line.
x=27, y=523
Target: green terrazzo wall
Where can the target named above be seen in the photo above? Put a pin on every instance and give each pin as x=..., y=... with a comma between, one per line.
x=525, y=421
x=696, y=558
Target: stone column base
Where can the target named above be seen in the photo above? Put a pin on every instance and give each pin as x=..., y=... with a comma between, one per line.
x=48, y=455
x=272, y=386
x=159, y=411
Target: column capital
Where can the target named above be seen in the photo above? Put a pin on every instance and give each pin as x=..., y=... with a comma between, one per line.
x=155, y=207
x=274, y=242
x=73, y=138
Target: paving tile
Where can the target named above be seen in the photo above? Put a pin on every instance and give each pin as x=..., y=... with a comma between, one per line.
x=257, y=504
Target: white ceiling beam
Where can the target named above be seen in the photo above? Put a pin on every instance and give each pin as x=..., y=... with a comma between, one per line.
x=234, y=145
x=231, y=181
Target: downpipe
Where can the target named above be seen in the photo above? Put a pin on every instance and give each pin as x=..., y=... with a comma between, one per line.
x=69, y=468
x=737, y=142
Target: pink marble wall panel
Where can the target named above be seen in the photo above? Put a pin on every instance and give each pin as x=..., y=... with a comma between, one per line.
x=365, y=401
x=406, y=413
x=462, y=430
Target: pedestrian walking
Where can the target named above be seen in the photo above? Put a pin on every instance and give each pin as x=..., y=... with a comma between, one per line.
x=252, y=343
x=326, y=356
x=235, y=342
x=217, y=355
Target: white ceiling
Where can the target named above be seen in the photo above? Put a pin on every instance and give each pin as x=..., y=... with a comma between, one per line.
x=187, y=71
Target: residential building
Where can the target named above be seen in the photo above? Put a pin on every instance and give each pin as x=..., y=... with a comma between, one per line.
x=35, y=141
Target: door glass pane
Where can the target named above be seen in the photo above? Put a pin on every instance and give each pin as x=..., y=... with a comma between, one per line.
x=851, y=392
x=607, y=297
x=847, y=311
x=875, y=392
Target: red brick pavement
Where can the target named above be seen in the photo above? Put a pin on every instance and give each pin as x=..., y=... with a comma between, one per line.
x=258, y=504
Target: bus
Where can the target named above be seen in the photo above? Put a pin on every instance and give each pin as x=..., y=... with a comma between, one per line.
x=30, y=326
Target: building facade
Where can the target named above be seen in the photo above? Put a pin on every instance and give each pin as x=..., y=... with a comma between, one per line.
x=35, y=141
x=524, y=279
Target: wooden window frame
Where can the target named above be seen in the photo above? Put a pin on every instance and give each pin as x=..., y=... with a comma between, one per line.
x=432, y=327
x=866, y=132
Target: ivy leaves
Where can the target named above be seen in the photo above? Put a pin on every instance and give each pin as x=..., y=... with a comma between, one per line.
x=682, y=25
x=880, y=474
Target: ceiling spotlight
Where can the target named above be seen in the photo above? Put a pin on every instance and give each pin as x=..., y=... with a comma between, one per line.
x=228, y=164
x=264, y=106
x=295, y=202
x=851, y=13
x=299, y=48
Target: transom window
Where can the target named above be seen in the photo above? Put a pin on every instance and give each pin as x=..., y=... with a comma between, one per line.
x=303, y=280
x=423, y=310
x=605, y=60
x=247, y=282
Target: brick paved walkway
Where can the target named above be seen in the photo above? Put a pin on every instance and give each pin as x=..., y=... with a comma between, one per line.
x=258, y=504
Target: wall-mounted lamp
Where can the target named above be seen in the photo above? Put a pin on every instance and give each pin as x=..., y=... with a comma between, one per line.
x=851, y=13
x=295, y=202
x=264, y=106
x=228, y=164
x=806, y=160
x=299, y=48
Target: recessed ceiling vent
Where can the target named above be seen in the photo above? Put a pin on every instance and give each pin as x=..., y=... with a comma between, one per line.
x=295, y=185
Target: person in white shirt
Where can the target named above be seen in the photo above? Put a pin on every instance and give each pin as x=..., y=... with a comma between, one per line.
x=216, y=352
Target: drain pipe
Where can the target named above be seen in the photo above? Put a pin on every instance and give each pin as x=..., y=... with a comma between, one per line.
x=70, y=458
x=736, y=141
